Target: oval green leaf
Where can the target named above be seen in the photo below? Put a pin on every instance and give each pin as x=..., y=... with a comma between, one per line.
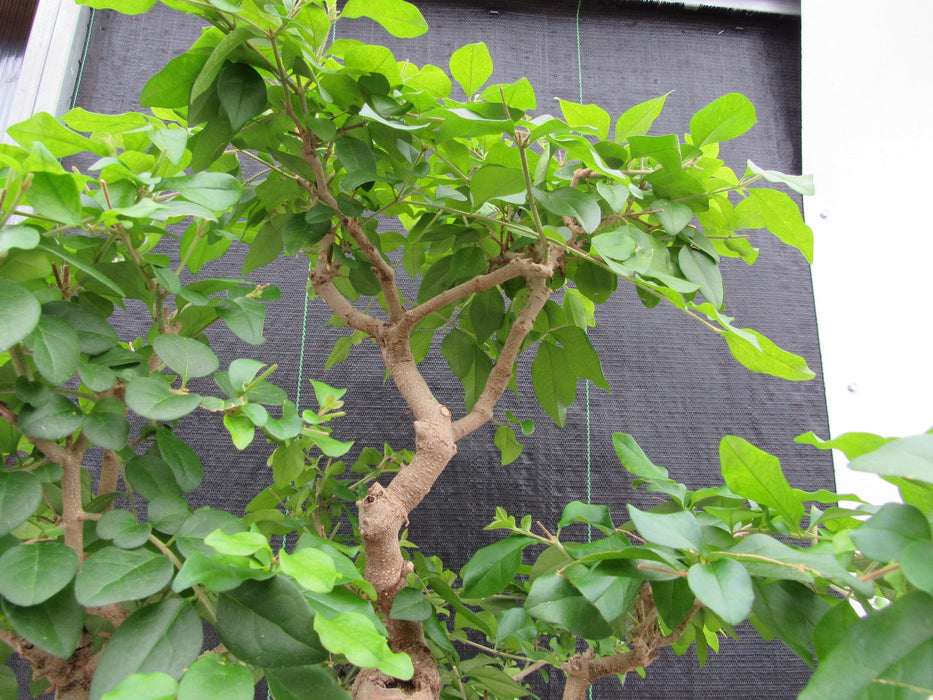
x=268, y=624
x=354, y=635
x=19, y=313
x=55, y=625
x=723, y=119
x=724, y=587
x=33, y=573
x=112, y=575
x=212, y=677
x=164, y=637
x=20, y=495
x=153, y=398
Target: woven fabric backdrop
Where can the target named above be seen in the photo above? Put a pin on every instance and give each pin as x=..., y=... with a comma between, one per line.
x=674, y=384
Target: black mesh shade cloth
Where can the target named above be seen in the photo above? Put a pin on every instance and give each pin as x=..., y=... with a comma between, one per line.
x=674, y=385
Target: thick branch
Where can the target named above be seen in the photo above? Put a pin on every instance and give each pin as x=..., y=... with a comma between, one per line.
x=383, y=270
x=70, y=457
x=646, y=639
x=501, y=374
x=322, y=281
x=517, y=267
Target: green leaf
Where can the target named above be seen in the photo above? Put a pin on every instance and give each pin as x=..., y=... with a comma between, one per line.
x=798, y=183
x=673, y=216
x=184, y=462
x=164, y=637
x=152, y=397
x=679, y=530
x=242, y=430
x=637, y=120
x=33, y=573
x=399, y=18
x=586, y=360
x=756, y=475
x=122, y=528
x=112, y=575
x=216, y=191
x=634, y=459
x=491, y=569
x=9, y=684
x=244, y=317
x=451, y=270
x=673, y=599
x=151, y=477
x=212, y=66
x=518, y=95
x=240, y=544
x=55, y=348
x=852, y=445
x=220, y=572
x=486, y=313
x=22, y=237
x=915, y=563
x=554, y=599
x=126, y=7
x=358, y=158
x=355, y=636
x=213, y=677
x=56, y=196
x=664, y=149
x=791, y=611
x=242, y=93
x=55, y=625
x=268, y=624
x=507, y=445
x=171, y=86
x=910, y=458
x=497, y=182
x=91, y=271
x=723, y=586
x=19, y=313
x=767, y=358
x=497, y=682
x=53, y=420
x=185, y=356
x=887, y=645
x=312, y=569
x=20, y=495
x=469, y=362
x=95, y=334
x=590, y=115
x=782, y=217
x=590, y=513
x=144, y=686
x=723, y=119
x=554, y=381
x=567, y=201
x=411, y=604
x=56, y=138
x=293, y=683
x=889, y=531
x=765, y=556
x=701, y=269
x=471, y=66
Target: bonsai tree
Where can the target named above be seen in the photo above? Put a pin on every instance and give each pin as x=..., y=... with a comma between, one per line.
x=268, y=134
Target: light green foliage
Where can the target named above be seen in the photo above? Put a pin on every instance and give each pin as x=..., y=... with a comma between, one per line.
x=488, y=195
x=717, y=549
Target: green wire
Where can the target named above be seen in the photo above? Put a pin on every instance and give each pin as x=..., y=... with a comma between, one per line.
x=301, y=354
x=87, y=47
x=589, y=460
